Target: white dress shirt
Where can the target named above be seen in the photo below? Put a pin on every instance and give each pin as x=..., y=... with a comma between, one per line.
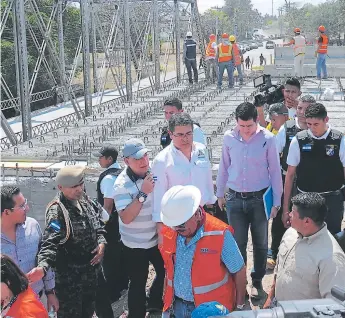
x=171, y=167
x=294, y=156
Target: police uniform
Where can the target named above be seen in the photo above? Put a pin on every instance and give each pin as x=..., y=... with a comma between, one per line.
x=283, y=140
x=320, y=163
x=73, y=231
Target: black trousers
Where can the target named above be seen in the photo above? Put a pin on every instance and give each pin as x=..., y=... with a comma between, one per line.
x=137, y=260
x=191, y=64
x=114, y=276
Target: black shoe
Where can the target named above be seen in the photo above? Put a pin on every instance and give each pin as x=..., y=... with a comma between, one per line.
x=255, y=289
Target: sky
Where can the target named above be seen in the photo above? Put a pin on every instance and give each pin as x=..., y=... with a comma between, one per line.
x=264, y=6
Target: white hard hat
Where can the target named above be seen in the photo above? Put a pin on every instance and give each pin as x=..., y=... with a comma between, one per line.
x=189, y=34
x=179, y=204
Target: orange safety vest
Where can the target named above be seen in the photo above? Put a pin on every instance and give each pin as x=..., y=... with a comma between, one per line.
x=324, y=45
x=236, y=54
x=224, y=54
x=211, y=280
x=210, y=51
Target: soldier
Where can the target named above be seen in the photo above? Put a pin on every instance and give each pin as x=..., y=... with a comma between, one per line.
x=73, y=244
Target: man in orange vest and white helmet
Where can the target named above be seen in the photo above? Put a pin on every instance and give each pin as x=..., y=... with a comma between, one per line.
x=210, y=58
x=237, y=57
x=299, y=45
x=224, y=56
x=201, y=257
x=321, y=53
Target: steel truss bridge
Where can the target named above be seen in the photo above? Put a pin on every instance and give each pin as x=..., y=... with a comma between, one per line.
x=119, y=42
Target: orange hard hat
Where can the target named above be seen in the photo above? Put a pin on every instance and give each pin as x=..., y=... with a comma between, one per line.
x=297, y=30
x=225, y=36
x=322, y=28
x=212, y=36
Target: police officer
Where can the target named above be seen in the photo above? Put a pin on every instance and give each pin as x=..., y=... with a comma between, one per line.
x=113, y=266
x=317, y=156
x=73, y=245
x=174, y=106
x=283, y=140
x=189, y=57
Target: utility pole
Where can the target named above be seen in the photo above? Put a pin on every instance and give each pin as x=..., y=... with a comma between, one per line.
x=177, y=39
x=272, y=8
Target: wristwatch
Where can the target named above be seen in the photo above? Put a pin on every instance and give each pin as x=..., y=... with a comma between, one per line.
x=141, y=196
x=50, y=292
x=240, y=307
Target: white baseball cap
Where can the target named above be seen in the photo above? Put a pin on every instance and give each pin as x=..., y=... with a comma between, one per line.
x=179, y=204
x=189, y=34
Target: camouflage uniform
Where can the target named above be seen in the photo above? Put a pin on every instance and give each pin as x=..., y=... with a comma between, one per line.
x=76, y=278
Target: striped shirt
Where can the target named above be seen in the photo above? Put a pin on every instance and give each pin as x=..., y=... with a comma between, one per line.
x=141, y=232
x=231, y=257
x=24, y=251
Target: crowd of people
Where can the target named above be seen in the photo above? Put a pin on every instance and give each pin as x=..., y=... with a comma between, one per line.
x=169, y=214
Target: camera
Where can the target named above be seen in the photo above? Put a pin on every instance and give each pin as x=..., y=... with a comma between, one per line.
x=308, y=308
x=268, y=93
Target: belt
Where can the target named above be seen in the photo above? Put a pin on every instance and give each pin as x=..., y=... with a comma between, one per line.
x=324, y=194
x=248, y=195
x=184, y=301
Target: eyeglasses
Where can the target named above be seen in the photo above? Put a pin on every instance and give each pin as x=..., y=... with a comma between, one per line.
x=188, y=134
x=22, y=206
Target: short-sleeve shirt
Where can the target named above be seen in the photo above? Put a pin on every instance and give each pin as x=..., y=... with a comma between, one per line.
x=308, y=267
x=141, y=232
x=107, y=184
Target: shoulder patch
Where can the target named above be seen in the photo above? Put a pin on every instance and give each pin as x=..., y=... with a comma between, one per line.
x=55, y=226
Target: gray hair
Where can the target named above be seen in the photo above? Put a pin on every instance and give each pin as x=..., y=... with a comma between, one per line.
x=308, y=99
x=180, y=119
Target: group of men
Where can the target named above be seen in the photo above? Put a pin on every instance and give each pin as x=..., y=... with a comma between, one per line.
x=298, y=43
x=165, y=214
x=218, y=58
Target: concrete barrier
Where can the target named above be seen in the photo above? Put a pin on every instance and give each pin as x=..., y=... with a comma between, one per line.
x=284, y=56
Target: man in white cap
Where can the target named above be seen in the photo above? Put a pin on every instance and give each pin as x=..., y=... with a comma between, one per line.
x=189, y=57
x=193, y=243
x=133, y=202
x=73, y=245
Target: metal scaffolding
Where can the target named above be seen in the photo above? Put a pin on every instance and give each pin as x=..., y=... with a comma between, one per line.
x=121, y=40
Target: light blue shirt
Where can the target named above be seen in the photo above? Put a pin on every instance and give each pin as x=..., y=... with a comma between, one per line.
x=231, y=257
x=24, y=251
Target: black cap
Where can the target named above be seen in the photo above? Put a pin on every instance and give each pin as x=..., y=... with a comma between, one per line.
x=107, y=151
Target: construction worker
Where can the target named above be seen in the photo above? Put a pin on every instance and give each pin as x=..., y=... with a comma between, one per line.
x=210, y=58
x=236, y=57
x=224, y=55
x=321, y=53
x=193, y=243
x=189, y=57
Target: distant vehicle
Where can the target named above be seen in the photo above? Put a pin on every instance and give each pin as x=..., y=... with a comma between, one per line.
x=253, y=46
x=260, y=44
x=270, y=45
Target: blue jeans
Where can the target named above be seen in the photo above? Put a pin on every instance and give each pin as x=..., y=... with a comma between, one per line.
x=321, y=65
x=243, y=213
x=229, y=66
x=180, y=310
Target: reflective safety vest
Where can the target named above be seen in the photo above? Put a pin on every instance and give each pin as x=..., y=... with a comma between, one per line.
x=210, y=51
x=299, y=46
x=211, y=280
x=224, y=53
x=324, y=45
x=236, y=54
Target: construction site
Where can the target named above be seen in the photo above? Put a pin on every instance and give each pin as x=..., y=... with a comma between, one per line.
x=127, y=61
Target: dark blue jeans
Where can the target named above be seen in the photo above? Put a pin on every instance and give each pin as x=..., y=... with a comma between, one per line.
x=245, y=213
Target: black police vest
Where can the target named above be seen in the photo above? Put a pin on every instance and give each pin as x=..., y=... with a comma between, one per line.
x=165, y=137
x=290, y=130
x=112, y=171
x=191, y=49
x=320, y=168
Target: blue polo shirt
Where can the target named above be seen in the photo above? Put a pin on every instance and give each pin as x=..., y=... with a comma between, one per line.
x=231, y=257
